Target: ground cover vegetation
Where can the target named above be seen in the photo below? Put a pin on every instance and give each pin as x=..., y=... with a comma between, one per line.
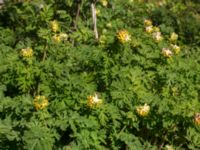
x=104, y=74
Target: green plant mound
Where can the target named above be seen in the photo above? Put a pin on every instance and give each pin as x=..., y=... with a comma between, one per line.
x=99, y=74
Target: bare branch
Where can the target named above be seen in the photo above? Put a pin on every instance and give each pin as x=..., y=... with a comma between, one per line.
x=94, y=18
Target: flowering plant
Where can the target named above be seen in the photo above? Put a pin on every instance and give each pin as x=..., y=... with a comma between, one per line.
x=99, y=75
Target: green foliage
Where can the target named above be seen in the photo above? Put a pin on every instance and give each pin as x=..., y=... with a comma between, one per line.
x=68, y=66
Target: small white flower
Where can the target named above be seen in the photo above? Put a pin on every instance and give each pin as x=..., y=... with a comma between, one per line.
x=167, y=52
x=157, y=36
x=176, y=48
x=149, y=29
x=94, y=101
x=143, y=110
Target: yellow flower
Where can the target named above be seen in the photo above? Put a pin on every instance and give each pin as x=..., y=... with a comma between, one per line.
x=176, y=48
x=60, y=37
x=94, y=101
x=56, y=38
x=123, y=36
x=166, y=52
x=54, y=25
x=157, y=36
x=147, y=22
x=40, y=102
x=173, y=37
x=149, y=29
x=27, y=52
x=143, y=110
x=197, y=118
x=104, y=3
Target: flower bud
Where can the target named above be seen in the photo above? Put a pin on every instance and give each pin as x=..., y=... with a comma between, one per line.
x=54, y=26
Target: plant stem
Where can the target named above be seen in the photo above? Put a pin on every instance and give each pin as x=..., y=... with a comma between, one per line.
x=94, y=18
x=45, y=53
x=77, y=15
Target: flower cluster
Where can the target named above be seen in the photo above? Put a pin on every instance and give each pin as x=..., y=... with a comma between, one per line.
x=167, y=52
x=123, y=36
x=60, y=37
x=26, y=52
x=57, y=37
x=175, y=48
x=54, y=26
x=149, y=28
x=40, y=102
x=173, y=38
x=157, y=36
x=143, y=110
x=197, y=118
x=94, y=101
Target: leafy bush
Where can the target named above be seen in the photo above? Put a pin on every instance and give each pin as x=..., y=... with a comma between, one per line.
x=131, y=82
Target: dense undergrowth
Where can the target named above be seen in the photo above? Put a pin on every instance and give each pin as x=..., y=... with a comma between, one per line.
x=131, y=82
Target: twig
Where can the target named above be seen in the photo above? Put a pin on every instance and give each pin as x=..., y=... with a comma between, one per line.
x=77, y=15
x=161, y=146
x=94, y=18
x=163, y=141
x=45, y=53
